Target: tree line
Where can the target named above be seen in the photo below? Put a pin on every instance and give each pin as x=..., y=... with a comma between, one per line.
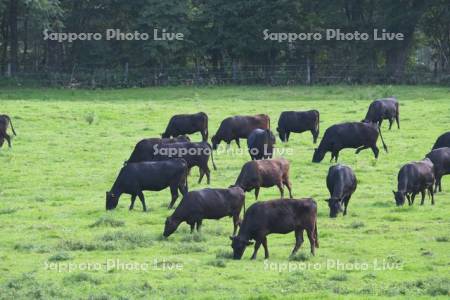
x=225, y=37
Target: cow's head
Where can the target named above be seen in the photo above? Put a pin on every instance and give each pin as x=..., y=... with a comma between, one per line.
x=399, y=198
x=239, y=244
x=281, y=134
x=318, y=155
x=170, y=226
x=111, y=201
x=335, y=207
x=215, y=142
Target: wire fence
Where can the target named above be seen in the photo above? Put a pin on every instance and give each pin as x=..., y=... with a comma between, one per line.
x=99, y=76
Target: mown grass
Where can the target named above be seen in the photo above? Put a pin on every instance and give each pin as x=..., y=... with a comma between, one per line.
x=72, y=143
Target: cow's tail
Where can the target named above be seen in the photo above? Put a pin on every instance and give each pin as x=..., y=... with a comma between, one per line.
x=318, y=123
x=10, y=123
x=212, y=157
x=382, y=140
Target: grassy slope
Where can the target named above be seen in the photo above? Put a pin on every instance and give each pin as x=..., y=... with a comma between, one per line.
x=53, y=182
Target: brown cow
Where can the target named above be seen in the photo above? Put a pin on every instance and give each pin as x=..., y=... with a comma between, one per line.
x=234, y=128
x=265, y=173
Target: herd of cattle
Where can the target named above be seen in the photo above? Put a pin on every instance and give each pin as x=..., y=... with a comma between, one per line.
x=158, y=163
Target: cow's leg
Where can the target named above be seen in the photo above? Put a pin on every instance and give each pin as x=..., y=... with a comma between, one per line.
x=409, y=199
x=202, y=173
x=174, y=193
x=133, y=198
x=312, y=240
x=397, y=121
x=298, y=240
x=379, y=123
x=315, y=135
x=192, y=224
x=8, y=139
x=2, y=141
x=288, y=134
x=391, y=121
x=346, y=200
x=238, y=143
x=235, y=222
x=208, y=174
x=375, y=151
x=281, y=188
x=413, y=196
x=288, y=184
x=204, y=135
x=336, y=155
x=266, y=249
x=199, y=225
x=256, y=192
x=141, y=197
x=430, y=189
x=257, y=244
x=423, y=196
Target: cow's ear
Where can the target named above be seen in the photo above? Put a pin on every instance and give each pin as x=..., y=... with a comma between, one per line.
x=249, y=243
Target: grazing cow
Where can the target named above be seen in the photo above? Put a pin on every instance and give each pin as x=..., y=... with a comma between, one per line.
x=143, y=151
x=348, y=135
x=234, y=128
x=381, y=109
x=442, y=141
x=260, y=144
x=341, y=183
x=298, y=121
x=206, y=204
x=195, y=154
x=187, y=124
x=134, y=178
x=5, y=120
x=265, y=173
x=441, y=161
x=415, y=177
x=277, y=216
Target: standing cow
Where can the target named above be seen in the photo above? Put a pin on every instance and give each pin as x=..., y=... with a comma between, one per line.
x=441, y=161
x=144, y=151
x=260, y=144
x=187, y=124
x=206, y=204
x=234, y=128
x=341, y=183
x=134, y=178
x=265, y=173
x=277, y=216
x=442, y=141
x=348, y=135
x=298, y=121
x=413, y=178
x=5, y=121
x=383, y=109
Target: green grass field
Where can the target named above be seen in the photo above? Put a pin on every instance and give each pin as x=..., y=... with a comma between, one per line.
x=72, y=143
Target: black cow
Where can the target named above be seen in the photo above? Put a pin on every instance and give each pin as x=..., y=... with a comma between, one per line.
x=277, y=216
x=5, y=120
x=383, y=109
x=260, y=144
x=348, y=135
x=298, y=121
x=144, y=151
x=413, y=178
x=206, y=204
x=234, y=128
x=441, y=161
x=187, y=124
x=341, y=183
x=265, y=173
x=134, y=178
x=442, y=141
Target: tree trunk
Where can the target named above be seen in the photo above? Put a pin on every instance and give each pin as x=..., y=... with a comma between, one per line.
x=397, y=57
x=14, y=49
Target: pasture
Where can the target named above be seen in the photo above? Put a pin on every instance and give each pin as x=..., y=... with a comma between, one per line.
x=71, y=145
